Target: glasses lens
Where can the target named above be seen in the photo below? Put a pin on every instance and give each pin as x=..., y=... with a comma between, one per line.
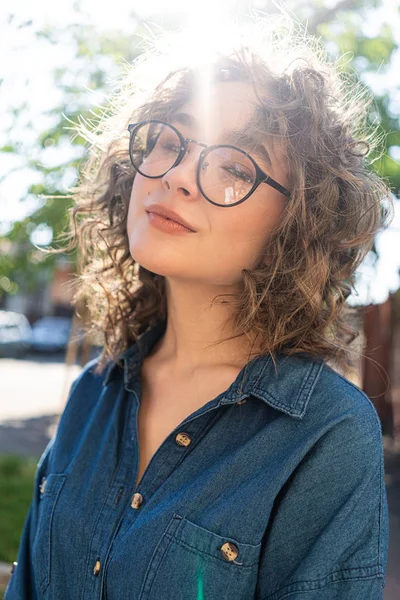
x=154, y=149
x=226, y=175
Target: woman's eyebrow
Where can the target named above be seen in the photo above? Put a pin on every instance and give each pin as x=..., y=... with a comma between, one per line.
x=235, y=137
x=184, y=119
x=245, y=140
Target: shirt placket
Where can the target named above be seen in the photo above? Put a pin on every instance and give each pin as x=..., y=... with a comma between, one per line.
x=110, y=515
x=173, y=450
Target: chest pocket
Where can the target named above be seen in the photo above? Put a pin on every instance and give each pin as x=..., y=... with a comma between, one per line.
x=50, y=490
x=197, y=564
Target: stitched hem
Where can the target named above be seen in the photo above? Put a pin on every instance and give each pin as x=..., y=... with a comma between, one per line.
x=356, y=574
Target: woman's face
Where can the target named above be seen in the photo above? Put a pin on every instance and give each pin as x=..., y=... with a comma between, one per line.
x=226, y=239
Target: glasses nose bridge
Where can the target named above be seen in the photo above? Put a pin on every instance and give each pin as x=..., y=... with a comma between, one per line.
x=190, y=140
x=195, y=159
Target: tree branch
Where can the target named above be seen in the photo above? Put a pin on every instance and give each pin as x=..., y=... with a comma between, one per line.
x=325, y=15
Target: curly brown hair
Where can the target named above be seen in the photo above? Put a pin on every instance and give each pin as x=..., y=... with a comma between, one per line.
x=337, y=204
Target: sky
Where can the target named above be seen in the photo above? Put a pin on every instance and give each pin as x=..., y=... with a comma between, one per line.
x=26, y=73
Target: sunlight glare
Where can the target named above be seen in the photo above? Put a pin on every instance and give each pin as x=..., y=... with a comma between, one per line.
x=205, y=27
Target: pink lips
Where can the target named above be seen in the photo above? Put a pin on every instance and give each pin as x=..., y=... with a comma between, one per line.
x=166, y=213
x=167, y=225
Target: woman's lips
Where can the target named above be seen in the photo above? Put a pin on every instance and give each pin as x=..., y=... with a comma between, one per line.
x=168, y=213
x=167, y=225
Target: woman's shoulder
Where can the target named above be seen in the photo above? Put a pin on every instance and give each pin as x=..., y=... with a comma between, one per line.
x=340, y=408
x=314, y=393
x=334, y=387
x=85, y=404
x=85, y=392
x=88, y=381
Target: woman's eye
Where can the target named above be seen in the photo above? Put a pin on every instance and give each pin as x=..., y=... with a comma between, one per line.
x=236, y=171
x=171, y=147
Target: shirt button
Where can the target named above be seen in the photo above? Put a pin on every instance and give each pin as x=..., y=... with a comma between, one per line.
x=13, y=567
x=241, y=401
x=137, y=500
x=229, y=551
x=182, y=439
x=96, y=569
x=42, y=485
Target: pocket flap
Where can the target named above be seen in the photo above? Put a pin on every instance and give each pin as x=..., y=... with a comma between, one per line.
x=52, y=484
x=187, y=533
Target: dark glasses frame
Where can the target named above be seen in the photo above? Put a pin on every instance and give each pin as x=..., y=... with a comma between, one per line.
x=261, y=176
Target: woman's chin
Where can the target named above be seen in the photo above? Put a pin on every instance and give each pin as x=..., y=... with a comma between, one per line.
x=155, y=257
x=151, y=263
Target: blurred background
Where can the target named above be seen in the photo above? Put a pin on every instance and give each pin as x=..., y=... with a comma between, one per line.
x=57, y=65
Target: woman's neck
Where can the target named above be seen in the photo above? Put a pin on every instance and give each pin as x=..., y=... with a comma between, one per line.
x=194, y=325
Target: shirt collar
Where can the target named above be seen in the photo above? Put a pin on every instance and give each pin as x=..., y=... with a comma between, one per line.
x=286, y=387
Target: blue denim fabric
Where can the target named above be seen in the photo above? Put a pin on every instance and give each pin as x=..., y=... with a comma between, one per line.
x=272, y=490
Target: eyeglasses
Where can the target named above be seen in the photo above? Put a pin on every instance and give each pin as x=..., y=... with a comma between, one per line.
x=226, y=175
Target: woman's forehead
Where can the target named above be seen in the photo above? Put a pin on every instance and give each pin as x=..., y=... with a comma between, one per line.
x=221, y=107
x=225, y=113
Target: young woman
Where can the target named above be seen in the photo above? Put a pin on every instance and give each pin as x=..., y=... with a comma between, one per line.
x=211, y=452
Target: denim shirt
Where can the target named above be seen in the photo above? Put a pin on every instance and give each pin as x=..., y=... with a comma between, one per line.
x=272, y=490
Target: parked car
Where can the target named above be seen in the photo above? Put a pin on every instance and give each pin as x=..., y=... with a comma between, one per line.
x=15, y=334
x=51, y=334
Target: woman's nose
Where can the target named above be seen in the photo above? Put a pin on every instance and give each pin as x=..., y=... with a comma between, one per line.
x=183, y=177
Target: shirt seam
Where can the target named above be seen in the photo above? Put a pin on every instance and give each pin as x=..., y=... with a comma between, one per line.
x=97, y=519
x=194, y=550
x=308, y=385
x=360, y=391
x=380, y=511
x=351, y=384
x=306, y=585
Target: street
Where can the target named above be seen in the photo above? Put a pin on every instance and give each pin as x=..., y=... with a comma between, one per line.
x=34, y=386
